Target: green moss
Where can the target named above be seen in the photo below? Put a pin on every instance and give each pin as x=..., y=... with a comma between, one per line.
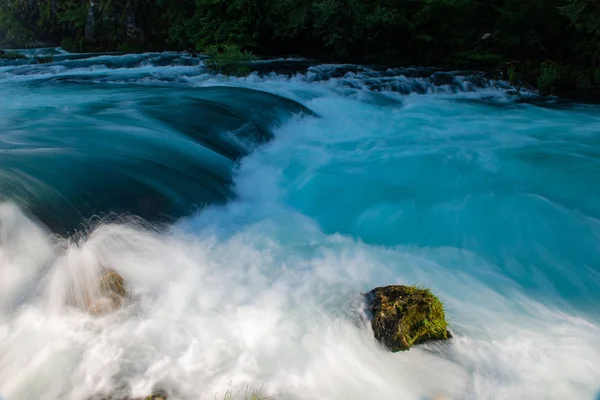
x=404, y=316
x=12, y=55
x=228, y=59
x=156, y=397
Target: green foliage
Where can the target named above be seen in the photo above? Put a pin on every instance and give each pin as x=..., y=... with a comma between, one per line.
x=74, y=15
x=512, y=75
x=228, y=59
x=548, y=77
x=13, y=32
x=530, y=28
x=238, y=22
x=584, y=14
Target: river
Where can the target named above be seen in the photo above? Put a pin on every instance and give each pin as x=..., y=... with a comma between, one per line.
x=247, y=214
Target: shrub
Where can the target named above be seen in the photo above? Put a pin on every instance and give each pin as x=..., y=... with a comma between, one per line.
x=228, y=59
x=512, y=75
x=547, y=79
x=583, y=81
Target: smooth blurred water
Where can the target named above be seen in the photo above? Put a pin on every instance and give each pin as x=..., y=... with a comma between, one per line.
x=286, y=196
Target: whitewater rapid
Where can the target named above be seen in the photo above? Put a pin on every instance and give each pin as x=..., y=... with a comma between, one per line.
x=292, y=194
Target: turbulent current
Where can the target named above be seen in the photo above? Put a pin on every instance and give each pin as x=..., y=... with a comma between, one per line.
x=246, y=216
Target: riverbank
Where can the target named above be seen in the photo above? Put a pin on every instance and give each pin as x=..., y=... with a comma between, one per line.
x=554, y=46
x=561, y=81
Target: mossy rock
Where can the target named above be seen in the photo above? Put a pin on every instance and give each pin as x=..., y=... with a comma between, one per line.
x=158, y=395
x=404, y=316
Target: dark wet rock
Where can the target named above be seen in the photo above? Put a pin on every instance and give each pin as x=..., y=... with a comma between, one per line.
x=404, y=316
x=478, y=81
x=442, y=78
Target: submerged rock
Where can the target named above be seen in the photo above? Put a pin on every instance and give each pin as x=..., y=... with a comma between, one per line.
x=403, y=316
x=112, y=284
x=111, y=288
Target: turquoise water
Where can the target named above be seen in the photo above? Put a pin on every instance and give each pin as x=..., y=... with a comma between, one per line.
x=267, y=204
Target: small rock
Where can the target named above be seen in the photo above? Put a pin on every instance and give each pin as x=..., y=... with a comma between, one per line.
x=158, y=395
x=112, y=291
x=403, y=316
x=112, y=284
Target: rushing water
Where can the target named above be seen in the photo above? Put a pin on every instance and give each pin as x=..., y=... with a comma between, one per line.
x=267, y=204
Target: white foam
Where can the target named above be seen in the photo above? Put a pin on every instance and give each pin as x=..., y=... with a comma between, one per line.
x=272, y=306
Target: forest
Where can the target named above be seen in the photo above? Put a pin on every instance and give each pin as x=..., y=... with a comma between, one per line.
x=551, y=44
